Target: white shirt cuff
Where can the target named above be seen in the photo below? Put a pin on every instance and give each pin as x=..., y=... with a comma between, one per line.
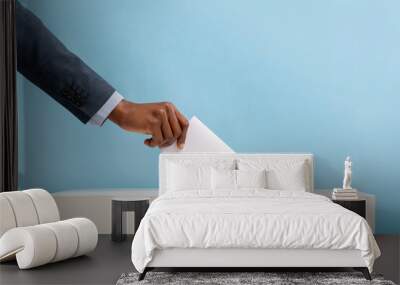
x=102, y=114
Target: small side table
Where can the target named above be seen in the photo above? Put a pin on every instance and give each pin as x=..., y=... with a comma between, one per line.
x=120, y=205
x=357, y=206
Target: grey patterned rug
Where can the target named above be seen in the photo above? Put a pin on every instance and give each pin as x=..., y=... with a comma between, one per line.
x=232, y=278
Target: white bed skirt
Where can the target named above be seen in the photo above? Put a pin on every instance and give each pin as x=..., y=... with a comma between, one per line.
x=192, y=257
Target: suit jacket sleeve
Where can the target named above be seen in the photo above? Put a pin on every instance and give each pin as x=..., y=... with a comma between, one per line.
x=45, y=61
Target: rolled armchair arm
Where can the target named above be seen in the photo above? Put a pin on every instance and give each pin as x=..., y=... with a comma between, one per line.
x=40, y=244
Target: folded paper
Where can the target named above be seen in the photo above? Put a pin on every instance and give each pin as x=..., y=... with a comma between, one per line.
x=199, y=138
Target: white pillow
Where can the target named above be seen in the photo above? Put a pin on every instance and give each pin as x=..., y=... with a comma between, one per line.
x=236, y=179
x=251, y=178
x=281, y=174
x=293, y=178
x=223, y=179
x=188, y=177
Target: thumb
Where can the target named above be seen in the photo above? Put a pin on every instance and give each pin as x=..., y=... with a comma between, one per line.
x=148, y=142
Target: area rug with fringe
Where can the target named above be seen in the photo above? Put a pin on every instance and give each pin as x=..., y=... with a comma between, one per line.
x=232, y=278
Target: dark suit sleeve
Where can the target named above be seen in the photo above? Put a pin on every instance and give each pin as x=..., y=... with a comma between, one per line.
x=45, y=61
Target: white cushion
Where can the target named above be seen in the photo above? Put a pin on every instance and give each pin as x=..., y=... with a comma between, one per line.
x=281, y=174
x=223, y=179
x=31, y=233
x=23, y=208
x=67, y=239
x=251, y=178
x=33, y=246
x=87, y=233
x=188, y=177
x=46, y=207
x=292, y=178
x=7, y=218
x=27, y=208
x=226, y=179
x=40, y=244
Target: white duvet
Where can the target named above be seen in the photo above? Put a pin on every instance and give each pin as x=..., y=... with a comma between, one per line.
x=250, y=219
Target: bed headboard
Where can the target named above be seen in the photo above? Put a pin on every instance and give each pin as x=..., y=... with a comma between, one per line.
x=215, y=158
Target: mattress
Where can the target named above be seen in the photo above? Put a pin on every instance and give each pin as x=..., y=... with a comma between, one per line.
x=251, y=219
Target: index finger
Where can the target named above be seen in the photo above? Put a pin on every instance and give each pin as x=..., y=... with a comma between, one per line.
x=180, y=142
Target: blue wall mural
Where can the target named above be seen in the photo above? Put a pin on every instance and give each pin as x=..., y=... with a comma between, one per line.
x=266, y=76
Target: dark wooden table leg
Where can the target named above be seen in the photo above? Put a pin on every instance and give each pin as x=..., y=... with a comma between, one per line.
x=116, y=234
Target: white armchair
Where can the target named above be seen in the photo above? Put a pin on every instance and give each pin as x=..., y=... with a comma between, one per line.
x=31, y=230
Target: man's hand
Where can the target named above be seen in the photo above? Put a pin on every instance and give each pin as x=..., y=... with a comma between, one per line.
x=162, y=121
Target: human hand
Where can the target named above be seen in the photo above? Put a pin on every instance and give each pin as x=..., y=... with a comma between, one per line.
x=162, y=121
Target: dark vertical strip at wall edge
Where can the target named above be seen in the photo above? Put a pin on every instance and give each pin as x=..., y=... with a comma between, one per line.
x=8, y=99
x=398, y=258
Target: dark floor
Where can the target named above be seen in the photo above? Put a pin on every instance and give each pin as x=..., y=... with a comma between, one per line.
x=103, y=266
x=389, y=262
x=110, y=260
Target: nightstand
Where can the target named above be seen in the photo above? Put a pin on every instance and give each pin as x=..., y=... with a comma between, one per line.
x=121, y=205
x=358, y=206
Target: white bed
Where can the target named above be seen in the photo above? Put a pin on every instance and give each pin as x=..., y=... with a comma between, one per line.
x=196, y=224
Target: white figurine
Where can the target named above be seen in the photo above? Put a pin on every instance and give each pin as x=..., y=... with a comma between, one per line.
x=347, y=174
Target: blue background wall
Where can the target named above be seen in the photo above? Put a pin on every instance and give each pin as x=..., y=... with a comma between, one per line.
x=267, y=76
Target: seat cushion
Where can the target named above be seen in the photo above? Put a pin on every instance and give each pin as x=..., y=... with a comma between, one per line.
x=32, y=246
x=40, y=244
x=87, y=234
x=67, y=239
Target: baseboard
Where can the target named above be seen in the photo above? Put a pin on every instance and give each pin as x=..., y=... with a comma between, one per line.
x=96, y=205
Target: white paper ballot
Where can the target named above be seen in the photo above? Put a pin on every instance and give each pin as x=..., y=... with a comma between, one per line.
x=199, y=138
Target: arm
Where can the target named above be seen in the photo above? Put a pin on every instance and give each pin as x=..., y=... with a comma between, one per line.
x=45, y=61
